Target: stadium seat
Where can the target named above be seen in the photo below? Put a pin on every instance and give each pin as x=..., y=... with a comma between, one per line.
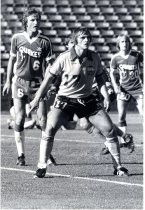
x=4, y=25
x=59, y=25
x=90, y=3
x=47, y=25
x=56, y=40
x=98, y=41
x=64, y=10
x=2, y=48
x=125, y=18
x=103, y=25
x=7, y=2
x=103, y=3
x=79, y=10
x=111, y=18
x=102, y=49
x=76, y=3
x=116, y=3
x=34, y=3
x=49, y=10
x=113, y=49
x=128, y=3
x=59, y=48
x=75, y=25
x=130, y=26
x=92, y=48
x=107, y=33
x=107, y=11
x=136, y=33
x=64, y=33
x=106, y=56
x=97, y=19
x=93, y=11
x=54, y=18
x=50, y=3
x=118, y=26
x=21, y=2
x=62, y=3
x=121, y=11
x=137, y=18
x=89, y=25
x=49, y=33
x=19, y=10
x=95, y=33
x=69, y=18
x=135, y=11
x=82, y=18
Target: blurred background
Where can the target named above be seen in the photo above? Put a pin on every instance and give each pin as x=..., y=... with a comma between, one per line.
x=105, y=19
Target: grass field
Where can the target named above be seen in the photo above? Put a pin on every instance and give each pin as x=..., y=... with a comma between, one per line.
x=82, y=179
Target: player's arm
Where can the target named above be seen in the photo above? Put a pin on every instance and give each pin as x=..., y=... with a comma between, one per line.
x=114, y=80
x=10, y=68
x=50, y=75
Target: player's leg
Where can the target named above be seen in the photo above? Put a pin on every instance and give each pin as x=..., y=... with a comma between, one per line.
x=19, y=107
x=55, y=119
x=102, y=121
x=139, y=105
x=29, y=121
x=122, y=110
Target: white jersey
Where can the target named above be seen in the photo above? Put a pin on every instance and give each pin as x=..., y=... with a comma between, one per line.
x=77, y=77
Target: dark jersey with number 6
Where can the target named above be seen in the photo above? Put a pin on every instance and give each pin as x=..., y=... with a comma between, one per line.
x=30, y=54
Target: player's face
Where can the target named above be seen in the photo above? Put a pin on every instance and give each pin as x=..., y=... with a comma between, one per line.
x=83, y=41
x=33, y=23
x=124, y=44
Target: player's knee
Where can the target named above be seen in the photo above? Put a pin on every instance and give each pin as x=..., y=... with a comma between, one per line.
x=84, y=124
x=42, y=122
x=19, y=127
x=112, y=134
x=49, y=132
x=122, y=123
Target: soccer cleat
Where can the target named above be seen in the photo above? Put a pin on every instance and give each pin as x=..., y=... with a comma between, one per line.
x=40, y=173
x=21, y=160
x=105, y=151
x=121, y=171
x=128, y=138
x=51, y=161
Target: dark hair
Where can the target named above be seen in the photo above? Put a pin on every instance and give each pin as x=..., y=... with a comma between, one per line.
x=83, y=31
x=27, y=13
x=123, y=36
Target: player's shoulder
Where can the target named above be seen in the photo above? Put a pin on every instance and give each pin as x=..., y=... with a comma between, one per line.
x=17, y=35
x=135, y=53
x=44, y=37
x=115, y=56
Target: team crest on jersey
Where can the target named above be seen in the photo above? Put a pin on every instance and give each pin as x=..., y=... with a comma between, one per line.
x=90, y=70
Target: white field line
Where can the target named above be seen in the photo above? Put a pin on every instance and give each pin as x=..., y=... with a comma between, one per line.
x=66, y=140
x=77, y=177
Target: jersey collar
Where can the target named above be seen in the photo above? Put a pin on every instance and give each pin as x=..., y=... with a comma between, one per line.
x=28, y=38
x=73, y=54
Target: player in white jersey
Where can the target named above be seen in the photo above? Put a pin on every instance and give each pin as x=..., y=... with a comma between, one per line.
x=84, y=122
x=30, y=50
x=127, y=65
x=78, y=68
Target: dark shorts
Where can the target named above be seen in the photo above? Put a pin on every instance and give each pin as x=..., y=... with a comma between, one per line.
x=81, y=107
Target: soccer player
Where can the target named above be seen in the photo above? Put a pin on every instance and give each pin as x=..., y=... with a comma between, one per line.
x=78, y=68
x=127, y=64
x=84, y=122
x=30, y=50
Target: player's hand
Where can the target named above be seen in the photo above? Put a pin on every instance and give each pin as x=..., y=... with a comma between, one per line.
x=6, y=88
x=107, y=104
x=33, y=105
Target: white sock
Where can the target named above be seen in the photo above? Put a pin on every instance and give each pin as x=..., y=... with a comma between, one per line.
x=19, y=139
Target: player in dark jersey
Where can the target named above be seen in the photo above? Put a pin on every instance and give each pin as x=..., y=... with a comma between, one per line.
x=127, y=65
x=30, y=50
x=78, y=68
